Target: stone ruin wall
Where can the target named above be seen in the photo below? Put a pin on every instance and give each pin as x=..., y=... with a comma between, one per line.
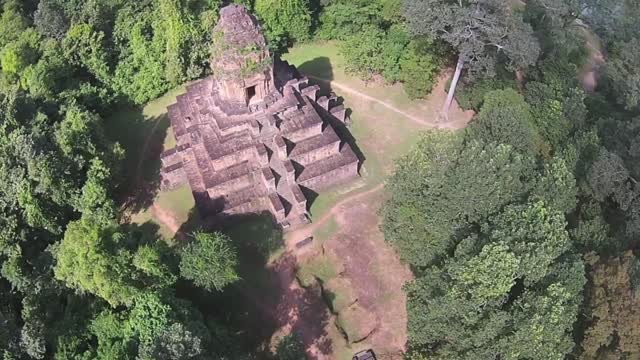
x=317, y=154
x=332, y=178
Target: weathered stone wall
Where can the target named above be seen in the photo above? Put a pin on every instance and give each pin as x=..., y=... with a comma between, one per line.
x=237, y=129
x=317, y=154
x=304, y=133
x=246, y=146
x=173, y=179
x=331, y=178
x=233, y=90
x=230, y=186
x=169, y=158
x=246, y=154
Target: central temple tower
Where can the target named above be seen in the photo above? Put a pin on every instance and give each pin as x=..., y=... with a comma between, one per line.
x=254, y=137
x=240, y=59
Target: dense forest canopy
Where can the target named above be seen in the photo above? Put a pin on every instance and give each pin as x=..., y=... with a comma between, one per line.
x=520, y=230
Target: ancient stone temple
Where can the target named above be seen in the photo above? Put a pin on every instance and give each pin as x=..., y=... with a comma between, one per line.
x=254, y=137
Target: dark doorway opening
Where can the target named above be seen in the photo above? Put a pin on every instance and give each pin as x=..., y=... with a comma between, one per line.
x=251, y=93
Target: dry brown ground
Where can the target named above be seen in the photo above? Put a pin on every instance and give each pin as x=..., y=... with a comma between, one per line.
x=368, y=268
x=375, y=273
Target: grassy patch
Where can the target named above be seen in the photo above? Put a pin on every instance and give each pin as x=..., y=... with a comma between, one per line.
x=321, y=59
x=145, y=217
x=144, y=132
x=321, y=268
x=169, y=140
x=339, y=294
x=326, y=231
x=179, y=201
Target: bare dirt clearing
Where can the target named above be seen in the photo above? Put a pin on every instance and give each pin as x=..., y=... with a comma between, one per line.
x=374, y=272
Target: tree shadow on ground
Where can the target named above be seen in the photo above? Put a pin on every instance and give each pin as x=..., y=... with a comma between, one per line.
x=319, y=67
x=142, y=138
x=266, y=298
x=193, y=223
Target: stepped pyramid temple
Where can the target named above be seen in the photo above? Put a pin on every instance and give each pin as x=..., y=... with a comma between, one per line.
x=254, y=137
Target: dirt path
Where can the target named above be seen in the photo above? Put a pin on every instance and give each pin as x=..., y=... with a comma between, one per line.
x=353, y=91
x=166, y=218
x=434, y=123
x=298, y=235
x=373, y=273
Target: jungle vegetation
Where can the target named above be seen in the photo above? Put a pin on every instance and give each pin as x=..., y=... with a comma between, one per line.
x=520, y=230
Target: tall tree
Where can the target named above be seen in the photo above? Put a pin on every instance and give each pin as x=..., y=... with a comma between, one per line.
x=480, y=31
x=110, y=262
x=458, y=185
x=285, y=21
x=622, y=75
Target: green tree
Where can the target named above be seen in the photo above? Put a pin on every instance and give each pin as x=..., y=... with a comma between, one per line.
x=623, y=80
x=558, y=110
x=285, y=21
x=506, y=118
x=361, y=52
x=343, y=18
x=174, y=342
x=88, y=259
x=209, y=261
x=115, y=263
x=535, y=233
x=556, y=186
x=86, y=47
x=480, y=31
x=544, y=317
x=79, y=135
x=472, y=95
x=418, y=68
x=12, y=21
x=19, y=54
x=468, y=307
x=457, y=185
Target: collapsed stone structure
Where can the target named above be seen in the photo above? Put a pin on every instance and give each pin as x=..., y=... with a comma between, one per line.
x=254, y=137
